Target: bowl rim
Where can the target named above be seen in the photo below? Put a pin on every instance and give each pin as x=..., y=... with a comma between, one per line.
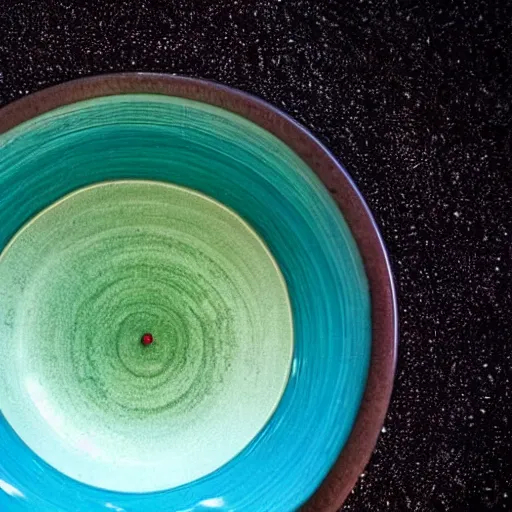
x=356, y=453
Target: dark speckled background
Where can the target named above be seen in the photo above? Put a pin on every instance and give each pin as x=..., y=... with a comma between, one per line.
x=415, y=100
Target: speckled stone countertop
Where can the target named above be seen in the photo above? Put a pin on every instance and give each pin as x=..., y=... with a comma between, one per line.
x=415, y=100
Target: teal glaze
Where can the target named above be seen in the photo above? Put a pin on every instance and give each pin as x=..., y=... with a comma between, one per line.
x=250, y=171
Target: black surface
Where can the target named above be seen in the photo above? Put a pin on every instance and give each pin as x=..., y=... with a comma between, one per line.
x=415, y=100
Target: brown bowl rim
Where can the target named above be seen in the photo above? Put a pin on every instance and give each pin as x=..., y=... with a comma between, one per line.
x=356, y=453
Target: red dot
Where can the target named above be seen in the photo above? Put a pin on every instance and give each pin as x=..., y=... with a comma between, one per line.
x=147, y=339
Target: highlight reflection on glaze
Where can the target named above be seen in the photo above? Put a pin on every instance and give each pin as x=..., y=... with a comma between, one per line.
x=250, y=171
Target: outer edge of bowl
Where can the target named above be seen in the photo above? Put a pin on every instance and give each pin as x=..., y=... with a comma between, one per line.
x=356, y=453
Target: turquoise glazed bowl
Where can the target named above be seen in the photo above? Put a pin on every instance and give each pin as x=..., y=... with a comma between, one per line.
x=196, y=308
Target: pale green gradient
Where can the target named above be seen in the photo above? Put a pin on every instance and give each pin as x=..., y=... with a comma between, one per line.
x=85, y=279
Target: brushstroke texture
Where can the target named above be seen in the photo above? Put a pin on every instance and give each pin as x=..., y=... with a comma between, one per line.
x=250, y=171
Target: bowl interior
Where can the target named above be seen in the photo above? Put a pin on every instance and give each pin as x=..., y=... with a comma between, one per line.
x=253, y=173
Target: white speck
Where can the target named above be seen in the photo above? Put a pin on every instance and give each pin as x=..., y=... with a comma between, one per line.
x=407, y=94
x=457, y=214
x=505, y=495
x=383, y=430
x=482, y=411
x=485, y=365
x=497, y=269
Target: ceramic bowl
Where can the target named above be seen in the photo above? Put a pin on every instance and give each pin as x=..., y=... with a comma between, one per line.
x=197, y=311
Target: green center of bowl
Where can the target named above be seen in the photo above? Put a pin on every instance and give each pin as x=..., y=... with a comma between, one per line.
x=86, y=279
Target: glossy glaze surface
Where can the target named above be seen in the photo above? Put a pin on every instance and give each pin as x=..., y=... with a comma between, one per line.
x=85, y=280
x=252, y=172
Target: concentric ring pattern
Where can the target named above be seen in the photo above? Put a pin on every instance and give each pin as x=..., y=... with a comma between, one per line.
x=85, y=280
x=238, y=164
